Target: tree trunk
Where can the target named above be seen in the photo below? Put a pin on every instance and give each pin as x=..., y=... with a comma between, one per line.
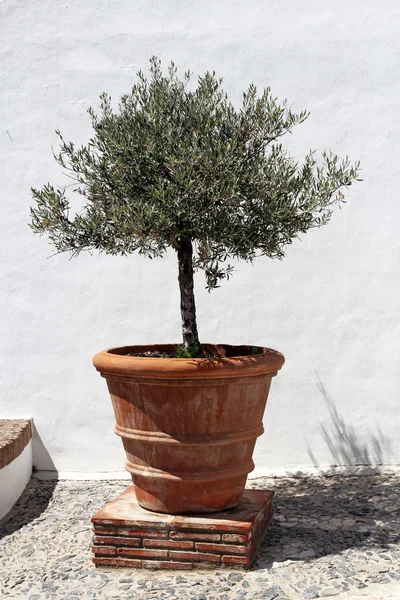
x=186, y=286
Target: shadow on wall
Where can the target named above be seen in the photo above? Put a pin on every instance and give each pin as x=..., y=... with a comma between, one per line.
x=344, y=444
x=42, y=460
x=319, y=516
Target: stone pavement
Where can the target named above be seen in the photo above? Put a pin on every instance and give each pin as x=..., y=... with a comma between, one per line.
x=330, y=536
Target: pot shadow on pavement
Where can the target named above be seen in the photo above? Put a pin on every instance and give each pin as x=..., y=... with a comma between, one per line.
x=36, y=496
x=318, y=516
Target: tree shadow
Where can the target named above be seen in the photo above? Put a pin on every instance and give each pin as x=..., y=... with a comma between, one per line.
x=319, y=516
x=343, y=441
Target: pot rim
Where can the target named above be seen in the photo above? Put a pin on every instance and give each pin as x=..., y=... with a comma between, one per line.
x=113, y=361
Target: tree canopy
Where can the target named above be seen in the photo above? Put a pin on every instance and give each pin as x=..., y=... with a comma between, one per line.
x=173, y=163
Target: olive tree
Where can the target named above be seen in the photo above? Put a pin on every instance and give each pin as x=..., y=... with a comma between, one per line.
x=178, y=167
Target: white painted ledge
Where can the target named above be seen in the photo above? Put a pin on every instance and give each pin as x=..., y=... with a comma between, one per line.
x=13, y=479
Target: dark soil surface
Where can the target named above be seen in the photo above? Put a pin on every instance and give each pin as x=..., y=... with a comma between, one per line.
x=168, y=355
x=151, y=354
x=209, y=351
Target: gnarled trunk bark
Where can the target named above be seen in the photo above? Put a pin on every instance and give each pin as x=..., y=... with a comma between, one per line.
x=186, y=286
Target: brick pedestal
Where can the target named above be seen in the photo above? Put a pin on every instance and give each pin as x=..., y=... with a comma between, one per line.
x=129, y=536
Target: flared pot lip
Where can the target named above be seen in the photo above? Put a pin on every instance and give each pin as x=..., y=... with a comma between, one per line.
x=114, y=361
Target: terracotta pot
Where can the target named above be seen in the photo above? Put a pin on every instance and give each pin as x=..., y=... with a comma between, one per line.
x=189, y=426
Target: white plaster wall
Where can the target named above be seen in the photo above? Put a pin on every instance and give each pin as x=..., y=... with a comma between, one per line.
x=14, y=478
x=332, y=306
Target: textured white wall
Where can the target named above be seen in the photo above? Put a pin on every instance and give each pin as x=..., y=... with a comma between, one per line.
x=332, y=306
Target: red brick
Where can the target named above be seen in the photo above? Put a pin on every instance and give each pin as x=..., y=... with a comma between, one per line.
x=118, y=541
x=104, y=550
x=117, y=562
x=178, y=545
x=164, y=564
x=105, y=529
x=167, y=541
x=184, y=523
x=234, y=537
x=221, y=548
x=268, y=514
x=235, y=560
x=252, y=552
x=193, y=535
x=142, y=552
x=154, y=533
x=195, y=556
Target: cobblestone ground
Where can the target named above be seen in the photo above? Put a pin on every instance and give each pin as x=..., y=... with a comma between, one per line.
x=331, y=536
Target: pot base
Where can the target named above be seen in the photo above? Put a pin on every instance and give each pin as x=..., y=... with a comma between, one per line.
x=188, y=498
x=128, y=536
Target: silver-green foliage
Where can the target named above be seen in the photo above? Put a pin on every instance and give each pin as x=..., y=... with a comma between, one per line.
x=173, y=163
